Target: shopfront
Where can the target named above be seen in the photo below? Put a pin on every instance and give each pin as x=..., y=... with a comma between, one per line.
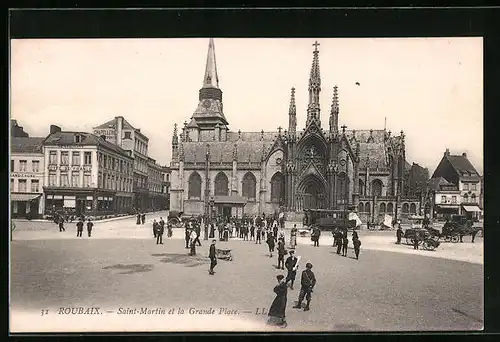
x=79, y=203
x=472, y=212
x=25, y=205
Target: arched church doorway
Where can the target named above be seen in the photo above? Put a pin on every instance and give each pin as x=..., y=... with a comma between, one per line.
x=311, y=193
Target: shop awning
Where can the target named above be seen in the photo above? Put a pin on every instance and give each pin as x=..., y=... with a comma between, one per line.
x=230, y=200
x=23, y=197
x=472, y=208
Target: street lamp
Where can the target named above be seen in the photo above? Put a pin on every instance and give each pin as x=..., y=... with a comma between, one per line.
x=207, y=192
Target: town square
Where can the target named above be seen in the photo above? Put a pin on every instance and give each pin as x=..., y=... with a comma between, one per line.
x=289, y=198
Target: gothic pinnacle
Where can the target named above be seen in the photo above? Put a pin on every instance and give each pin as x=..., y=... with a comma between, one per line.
x=175, y=138
x=314, y=78
x=292, y=110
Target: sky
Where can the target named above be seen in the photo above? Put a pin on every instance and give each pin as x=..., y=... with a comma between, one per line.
x=431, y=88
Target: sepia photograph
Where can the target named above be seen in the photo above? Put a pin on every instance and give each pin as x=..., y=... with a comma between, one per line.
x=246, y=184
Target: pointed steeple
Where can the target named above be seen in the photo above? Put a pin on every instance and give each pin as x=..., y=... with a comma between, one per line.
x=334, y=112
x=175, y=138
x=313, y=109
x=210, y=112
x=211, y=79
x=292, y=114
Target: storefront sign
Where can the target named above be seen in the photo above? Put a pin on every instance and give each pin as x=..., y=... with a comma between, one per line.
x=24, y=175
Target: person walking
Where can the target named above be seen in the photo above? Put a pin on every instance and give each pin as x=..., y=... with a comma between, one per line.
x=278, y=307
x=291, y=265
x=399, y=235
x=155, y=228
x=162, y=224
x=357, y=244
x=307, y=283
x=212, y=230
x=259, y=235
x=143, y=218
x=213, y=257
x=270, y=243
x=198, y=233
x=169, y=229
x=79, y=228
x=345, y=243
x=61, y=224
x=416, y=239
x=315, y=236
x=138, y=218
x=187, y=235
x=252, y=232
x=90, y=225
x=281, y=254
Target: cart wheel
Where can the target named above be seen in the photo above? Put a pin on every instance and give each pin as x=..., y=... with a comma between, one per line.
x=447, y=238
x=429, y=246
x=455, y=239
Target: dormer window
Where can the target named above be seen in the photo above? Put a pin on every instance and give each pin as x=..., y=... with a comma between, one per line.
x=78, y=138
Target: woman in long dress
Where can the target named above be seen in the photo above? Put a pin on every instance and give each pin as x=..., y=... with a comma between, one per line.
x=278, y=307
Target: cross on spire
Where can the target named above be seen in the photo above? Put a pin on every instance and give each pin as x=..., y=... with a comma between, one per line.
x=279, y=130
x=316, y=44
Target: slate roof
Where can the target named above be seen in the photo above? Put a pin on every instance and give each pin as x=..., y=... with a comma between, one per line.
x=372, y=154
x=89, y=139
x=461, y=164
x=26, y=145
x=436, y=183
x=223, y=151
x=112, y=124
x=363, y=135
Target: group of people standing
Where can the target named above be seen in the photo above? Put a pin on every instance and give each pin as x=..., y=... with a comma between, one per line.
x=159, y=230
x=59, y=220
x=341, y=241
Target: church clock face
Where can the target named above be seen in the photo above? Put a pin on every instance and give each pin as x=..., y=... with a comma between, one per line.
x=278, y=161
x=206, y=103
x=342, y=162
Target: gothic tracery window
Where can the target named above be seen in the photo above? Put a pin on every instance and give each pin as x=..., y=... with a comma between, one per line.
x=221, y=184
x=377, y=188
x=277, y=187
x=249, y=186
x=342, y=188
x=194, y=190
x=390, y=208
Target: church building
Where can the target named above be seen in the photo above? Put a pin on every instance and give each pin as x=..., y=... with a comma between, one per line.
x=237, y=173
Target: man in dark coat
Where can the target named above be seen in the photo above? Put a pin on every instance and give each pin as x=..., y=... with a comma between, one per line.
x=138, y=218
x=90, y=225
x=281, y=254
x=357, y=244
x=213, y=258
x=339, y=241
x=399, y=235
x=169, y=229
x=252, y=231
x=278, y=307
x=212, y=230
x=416, y=239
x=79, y=228
x=61, y=224
x=187, y=235
x=159, y=234
x=259, y=235
x=198, y=232
x=270, y=242
x=143, y=218
x=307, y=283
x=162, y=224
x=315, y=236
x=291, y=266
x=345, y=243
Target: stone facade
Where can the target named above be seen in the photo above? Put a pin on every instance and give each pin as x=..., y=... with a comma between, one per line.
x=287, y=170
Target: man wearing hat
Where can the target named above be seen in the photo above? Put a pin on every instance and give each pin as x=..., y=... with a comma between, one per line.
x=291, y=266
x=213, y=257
x=307, y=283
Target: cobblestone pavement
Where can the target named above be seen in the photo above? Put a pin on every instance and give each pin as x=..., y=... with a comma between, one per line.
x=112, y=270
x=127, y=228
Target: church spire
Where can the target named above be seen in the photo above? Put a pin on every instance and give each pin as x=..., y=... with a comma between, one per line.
x=292, y=114
x=313, y=109
x=175, y=144
x=211, y=79
x=334, y=113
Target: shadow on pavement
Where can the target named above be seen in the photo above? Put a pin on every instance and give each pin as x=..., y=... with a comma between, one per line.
x=134, y=268
x=182, y=259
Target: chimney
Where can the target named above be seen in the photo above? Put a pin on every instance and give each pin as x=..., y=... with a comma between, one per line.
x=119, y=130
x=447, y=152
x=464, y=155
x=54, y=129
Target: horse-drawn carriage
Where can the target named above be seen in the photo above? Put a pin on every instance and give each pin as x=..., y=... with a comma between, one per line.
x=458, y=227
x=175, y=218
x=428, y=237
